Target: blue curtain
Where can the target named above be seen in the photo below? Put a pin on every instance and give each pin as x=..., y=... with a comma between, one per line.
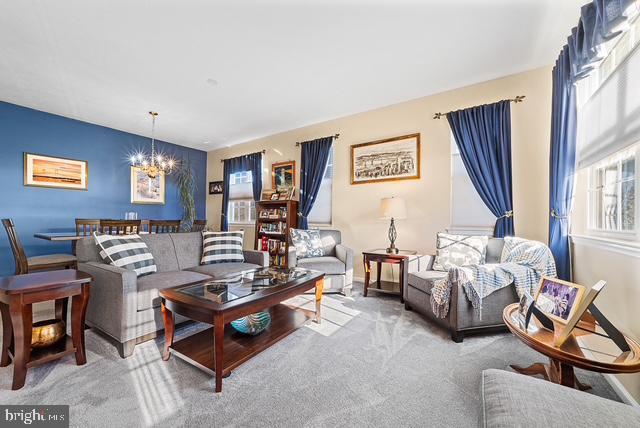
x=315, y=155
x=253, y=163
x=562, y=162
x=483, y=136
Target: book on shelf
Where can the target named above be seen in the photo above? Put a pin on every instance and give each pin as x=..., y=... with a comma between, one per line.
x=274, y=228
x=273, y=214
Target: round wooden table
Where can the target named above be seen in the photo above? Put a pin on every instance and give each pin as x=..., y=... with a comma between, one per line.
x=602, y=357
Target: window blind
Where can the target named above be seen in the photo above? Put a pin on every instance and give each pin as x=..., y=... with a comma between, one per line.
x=610, y=120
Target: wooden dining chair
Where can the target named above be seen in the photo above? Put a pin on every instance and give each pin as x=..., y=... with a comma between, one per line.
x=164, y=226
x=86, y=227
x=120, y=227
x=26, y=264
x=199, y=225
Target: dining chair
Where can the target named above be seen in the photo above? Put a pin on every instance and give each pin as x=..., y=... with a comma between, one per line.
x=164, y=226
x=120, y=227
x=199, y=225
x=26, y=264
x=86, y=226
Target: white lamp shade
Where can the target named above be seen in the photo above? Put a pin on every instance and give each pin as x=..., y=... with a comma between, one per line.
x=393, y=208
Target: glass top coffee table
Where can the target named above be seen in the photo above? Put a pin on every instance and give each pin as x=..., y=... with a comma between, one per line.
x=218, y=302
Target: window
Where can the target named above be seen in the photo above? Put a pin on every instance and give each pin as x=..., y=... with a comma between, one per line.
x=469, y=214
x=612, y=194
x=242, y=207
x=321, y=211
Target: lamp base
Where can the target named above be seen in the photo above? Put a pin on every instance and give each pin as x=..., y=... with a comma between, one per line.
x=392, y=250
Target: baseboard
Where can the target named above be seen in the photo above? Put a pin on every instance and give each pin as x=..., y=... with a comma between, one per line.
x=616, y=385
x=622, y=392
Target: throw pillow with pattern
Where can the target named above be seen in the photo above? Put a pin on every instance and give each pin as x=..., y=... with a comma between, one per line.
x=459, y=250
x=126, y=251
x=307, y=243
x=222, y=247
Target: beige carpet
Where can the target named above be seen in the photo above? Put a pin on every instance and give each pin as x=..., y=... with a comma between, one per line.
x=370, y=363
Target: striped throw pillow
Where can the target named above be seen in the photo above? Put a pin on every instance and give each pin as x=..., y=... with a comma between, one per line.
x=222, y=247
x=126, y=251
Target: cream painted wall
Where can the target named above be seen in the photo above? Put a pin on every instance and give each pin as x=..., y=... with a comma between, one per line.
x=619, y=299
x=355, y=207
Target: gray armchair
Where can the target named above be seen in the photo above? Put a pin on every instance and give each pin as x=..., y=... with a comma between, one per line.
x=337, y=263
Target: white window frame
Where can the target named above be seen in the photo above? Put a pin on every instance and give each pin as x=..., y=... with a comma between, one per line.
x=331, y=162
x=592, y=201
x=236, y=178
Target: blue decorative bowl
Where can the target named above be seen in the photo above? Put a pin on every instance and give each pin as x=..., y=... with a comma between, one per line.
x=252, y=324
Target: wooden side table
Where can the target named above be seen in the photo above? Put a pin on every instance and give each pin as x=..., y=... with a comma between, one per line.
x=562, y=360
x=18, y=294
x=380, y=256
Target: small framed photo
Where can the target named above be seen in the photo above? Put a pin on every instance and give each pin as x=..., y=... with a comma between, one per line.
x=215, y=187
x=558, y=299
x=275, y=196
x=267, y=194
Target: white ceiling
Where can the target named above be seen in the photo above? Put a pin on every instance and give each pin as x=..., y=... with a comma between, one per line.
x=279, y=65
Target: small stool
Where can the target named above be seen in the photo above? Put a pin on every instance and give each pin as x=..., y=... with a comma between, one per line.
x=17, y=295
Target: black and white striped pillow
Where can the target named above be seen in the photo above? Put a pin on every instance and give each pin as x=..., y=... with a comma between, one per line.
x=126, y=251
x=222, y=247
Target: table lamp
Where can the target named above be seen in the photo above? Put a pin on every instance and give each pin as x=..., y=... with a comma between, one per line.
x=394, y=209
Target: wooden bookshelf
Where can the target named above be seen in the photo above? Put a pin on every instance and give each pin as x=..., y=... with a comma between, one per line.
x=273, y=221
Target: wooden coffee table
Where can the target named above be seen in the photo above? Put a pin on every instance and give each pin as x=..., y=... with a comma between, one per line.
x=217, y=350
x=603, y=357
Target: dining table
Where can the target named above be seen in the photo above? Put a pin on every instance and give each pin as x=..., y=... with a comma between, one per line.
x=65, y=236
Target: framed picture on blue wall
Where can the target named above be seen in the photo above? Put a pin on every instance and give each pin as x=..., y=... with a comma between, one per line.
x=55, y=172
x=147, y=190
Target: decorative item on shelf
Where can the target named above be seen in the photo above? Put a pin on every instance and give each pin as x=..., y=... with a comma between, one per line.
x=215, y=187
x=275, y=196
x=393, y=209
x=267, y=194
x=48, y=332
x=252, y=324
x=55, y=172
x=283, y=175
x=156, y=164
x=395, y=158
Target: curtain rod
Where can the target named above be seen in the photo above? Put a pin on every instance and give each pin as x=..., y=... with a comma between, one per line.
x=335, y=137
x=263, y=151
x=517, y=99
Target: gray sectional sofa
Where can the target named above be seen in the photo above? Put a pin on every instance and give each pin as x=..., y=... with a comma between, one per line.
x=337, y=262
x=127, y=308
x=515, y=400
x=462, y=317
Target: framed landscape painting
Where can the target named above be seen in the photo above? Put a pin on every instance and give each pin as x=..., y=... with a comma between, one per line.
x=146, y=190
x=61, y=173
x=395, y=158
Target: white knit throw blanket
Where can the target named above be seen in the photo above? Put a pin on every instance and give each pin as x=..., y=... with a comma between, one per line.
x=523, y=262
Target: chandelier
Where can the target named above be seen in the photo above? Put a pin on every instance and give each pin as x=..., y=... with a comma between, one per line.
x=156, y=164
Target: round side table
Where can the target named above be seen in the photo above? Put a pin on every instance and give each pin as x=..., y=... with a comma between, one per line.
x=571, y=354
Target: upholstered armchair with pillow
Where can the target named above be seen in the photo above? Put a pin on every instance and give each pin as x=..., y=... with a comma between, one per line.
x=461, y=318
x=323, y=250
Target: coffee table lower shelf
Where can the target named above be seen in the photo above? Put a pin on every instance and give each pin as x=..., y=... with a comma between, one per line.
x=198, y=349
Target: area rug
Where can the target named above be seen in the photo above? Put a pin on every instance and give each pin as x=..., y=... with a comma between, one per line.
x=370, y=363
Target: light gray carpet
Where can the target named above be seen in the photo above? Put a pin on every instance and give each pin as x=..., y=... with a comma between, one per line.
x=370, y=363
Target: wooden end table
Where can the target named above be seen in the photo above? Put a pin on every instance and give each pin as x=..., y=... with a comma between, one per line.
x=380, y=256
x=571, y=354
x=18, y=294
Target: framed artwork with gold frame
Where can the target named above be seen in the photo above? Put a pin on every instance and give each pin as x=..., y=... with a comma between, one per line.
x=391, y=159
x=146, y=190
x=283, y=175
x=55, y=172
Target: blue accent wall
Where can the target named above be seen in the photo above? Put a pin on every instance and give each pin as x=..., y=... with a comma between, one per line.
x=36, y=209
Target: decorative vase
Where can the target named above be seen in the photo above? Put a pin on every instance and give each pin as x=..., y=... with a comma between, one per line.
x=252, y=324
x=46, y=333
